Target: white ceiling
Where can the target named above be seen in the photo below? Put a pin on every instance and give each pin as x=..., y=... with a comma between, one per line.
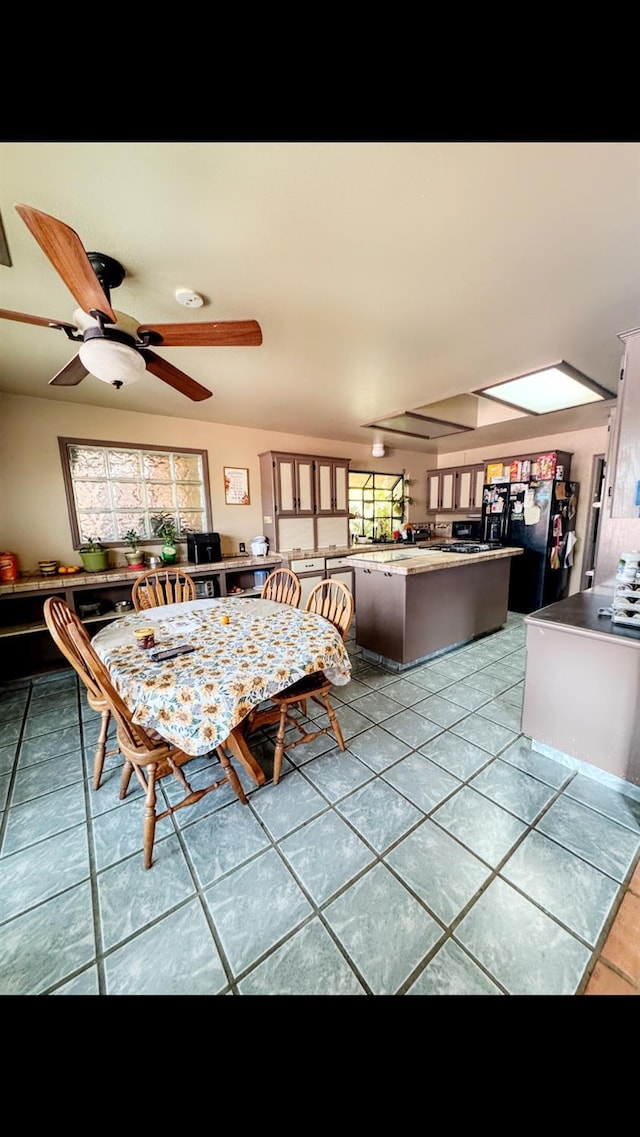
x=385, y=275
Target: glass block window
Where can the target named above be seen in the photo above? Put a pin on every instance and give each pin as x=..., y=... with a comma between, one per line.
x=114, y=487
x=376, y=503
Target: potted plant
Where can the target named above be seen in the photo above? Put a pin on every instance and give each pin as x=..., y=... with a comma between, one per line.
x=133, y=554
x=94, y=556
x=164, y=527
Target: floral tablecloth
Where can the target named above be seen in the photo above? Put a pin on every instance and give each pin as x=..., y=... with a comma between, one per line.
x=196, y=700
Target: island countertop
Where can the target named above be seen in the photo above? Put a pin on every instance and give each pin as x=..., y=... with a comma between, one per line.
x=407, y=562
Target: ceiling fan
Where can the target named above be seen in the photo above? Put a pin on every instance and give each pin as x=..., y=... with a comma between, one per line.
x=115, y=348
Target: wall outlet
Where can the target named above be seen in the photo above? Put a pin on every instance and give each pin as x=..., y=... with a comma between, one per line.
x=242, y=547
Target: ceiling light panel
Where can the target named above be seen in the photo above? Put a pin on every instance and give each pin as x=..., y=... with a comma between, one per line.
x=557, y=387
x=418, y=426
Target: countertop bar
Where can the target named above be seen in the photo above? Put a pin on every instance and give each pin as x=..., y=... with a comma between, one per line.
x=119, y=573
x=579, y=614
x=407, y=562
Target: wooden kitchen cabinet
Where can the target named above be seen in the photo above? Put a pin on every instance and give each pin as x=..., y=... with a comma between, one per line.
x=305, y=500
x=455, y=488
x=332, y=485
x=293, y=486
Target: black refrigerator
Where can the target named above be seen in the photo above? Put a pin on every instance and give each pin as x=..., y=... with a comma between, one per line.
x=538, y=517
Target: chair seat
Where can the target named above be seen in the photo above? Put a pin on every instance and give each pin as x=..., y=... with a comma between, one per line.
x=304, y=688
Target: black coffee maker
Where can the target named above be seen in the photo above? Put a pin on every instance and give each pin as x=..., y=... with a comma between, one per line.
x=203, y=548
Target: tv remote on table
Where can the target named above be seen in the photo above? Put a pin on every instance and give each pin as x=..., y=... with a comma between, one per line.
x=171, y=652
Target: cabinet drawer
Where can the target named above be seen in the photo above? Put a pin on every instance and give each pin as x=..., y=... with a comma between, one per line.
x=308, y=564
x=336, y=562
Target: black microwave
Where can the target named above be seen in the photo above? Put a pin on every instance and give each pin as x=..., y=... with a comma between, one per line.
x=466, y=530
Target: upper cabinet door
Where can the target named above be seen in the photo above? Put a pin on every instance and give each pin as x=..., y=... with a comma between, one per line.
x=433, y=491
x=478, y=486
x=304, y=468
x=285, y=485
x=294, y=485
x=464, y=489
x=447, y=489
x=332, y=485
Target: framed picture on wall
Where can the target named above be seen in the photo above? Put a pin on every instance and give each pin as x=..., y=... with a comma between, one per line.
x=236, y=485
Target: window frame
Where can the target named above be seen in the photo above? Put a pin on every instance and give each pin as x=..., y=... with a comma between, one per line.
x=65, y=443
x=368, y=525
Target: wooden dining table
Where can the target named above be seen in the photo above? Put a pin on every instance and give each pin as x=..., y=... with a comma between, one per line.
x=246, y=650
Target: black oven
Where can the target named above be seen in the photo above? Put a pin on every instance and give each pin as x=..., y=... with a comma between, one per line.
x=466, y=530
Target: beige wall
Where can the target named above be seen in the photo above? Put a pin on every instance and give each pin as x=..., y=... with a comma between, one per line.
x=34, y=522
x=583, y=445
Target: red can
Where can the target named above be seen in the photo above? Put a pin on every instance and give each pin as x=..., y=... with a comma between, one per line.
x=8, y=567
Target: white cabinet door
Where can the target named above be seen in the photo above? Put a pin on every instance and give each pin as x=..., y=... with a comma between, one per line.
x=448, y=485
x=433, y=491
x=477, y=488
x=464, y=490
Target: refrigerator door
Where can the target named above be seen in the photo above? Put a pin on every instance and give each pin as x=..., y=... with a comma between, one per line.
x=529, y=520
x=541, y=529
x=495, y=513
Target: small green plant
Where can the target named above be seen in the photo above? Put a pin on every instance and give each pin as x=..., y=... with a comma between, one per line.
x=92, y=546
x=164, y=527
x=132, y=539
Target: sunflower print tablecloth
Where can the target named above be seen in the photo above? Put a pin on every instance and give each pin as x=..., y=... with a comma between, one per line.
x=196, y=700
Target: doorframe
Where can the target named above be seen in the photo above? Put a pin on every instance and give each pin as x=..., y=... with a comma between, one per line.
x=598, y=470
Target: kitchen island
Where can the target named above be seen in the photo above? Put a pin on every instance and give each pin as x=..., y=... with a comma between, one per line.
x=413, y=603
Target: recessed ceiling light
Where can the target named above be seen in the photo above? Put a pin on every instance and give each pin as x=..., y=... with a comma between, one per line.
x=554, y=388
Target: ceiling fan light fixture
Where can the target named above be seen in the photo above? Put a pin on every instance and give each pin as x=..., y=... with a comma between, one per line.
x=112, y=362
x=377, y=450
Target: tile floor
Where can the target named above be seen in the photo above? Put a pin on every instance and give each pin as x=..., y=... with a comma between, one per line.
x=439, y=854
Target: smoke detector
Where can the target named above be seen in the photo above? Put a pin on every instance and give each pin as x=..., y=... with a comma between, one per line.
x=189, y=299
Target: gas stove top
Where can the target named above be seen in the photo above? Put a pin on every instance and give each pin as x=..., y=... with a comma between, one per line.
x=466, y=546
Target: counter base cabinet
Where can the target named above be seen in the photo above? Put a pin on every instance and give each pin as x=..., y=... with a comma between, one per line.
x=28, y=648
x=582, y=692
x=406, y=619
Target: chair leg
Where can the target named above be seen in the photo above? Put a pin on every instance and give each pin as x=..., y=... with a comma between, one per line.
x=149, y=823
x=333, y=719
x=279, y=750
x=125, y=778
x=98, y=761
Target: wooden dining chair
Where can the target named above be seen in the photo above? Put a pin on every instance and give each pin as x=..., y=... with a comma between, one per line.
x=156, y=587
x=333, y=600
x=59, y=617
x=151, y=756
x=283, y=585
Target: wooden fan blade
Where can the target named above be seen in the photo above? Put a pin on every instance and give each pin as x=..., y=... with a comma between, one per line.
x=43, y=321
x=175, y=378
x=223, y=333
x=71, y=374
x=67, y=254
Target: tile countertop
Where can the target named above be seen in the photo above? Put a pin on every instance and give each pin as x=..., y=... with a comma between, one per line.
x=117, y=574
x=120, y=573
x=406, y=562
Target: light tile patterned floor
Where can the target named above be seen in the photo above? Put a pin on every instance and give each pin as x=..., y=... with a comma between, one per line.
x=439, y=854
